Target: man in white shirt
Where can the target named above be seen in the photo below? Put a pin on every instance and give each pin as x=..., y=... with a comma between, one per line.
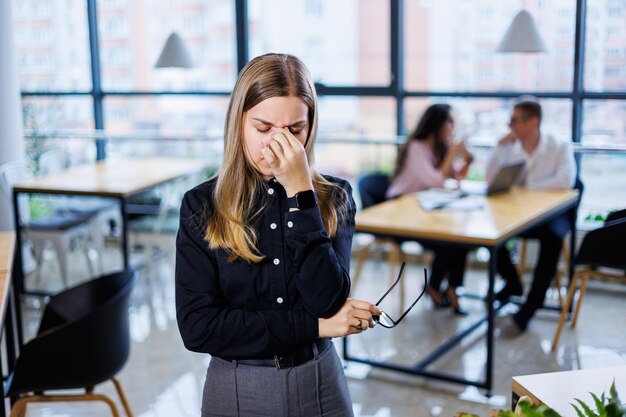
x=549, y=165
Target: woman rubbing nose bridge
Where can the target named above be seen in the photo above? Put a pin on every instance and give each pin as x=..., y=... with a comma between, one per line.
x=263, y=257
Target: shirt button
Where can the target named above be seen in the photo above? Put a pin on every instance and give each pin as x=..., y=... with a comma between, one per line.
x=270, y=191
x=279, y=300
x=276, y=261
x=290, y=224
x=273, y=226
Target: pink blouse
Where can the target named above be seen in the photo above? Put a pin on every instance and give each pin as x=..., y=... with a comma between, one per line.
x=419, y=172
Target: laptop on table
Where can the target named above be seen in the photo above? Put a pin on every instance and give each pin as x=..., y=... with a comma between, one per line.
x=506, y=177
x=436, y=198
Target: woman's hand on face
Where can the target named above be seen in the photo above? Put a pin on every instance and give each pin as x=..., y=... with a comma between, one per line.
x=355, y=316
x=287, y=159
x=460, y=148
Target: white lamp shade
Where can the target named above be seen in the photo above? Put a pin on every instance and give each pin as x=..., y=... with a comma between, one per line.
x=174, y=54
x=522, y=35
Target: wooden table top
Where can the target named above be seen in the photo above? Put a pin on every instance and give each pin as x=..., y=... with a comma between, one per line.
x=7, y=242
x=558, y=389
x=501, y=217
x=117, y=178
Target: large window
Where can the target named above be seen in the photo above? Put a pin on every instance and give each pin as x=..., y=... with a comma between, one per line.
x=352, y=47
x=450, y=45
x=605, y=46
x=484, y=120
x=342, y=42
x=52, y=45
x=377, y=63
x=166, y=115
x=132, y=33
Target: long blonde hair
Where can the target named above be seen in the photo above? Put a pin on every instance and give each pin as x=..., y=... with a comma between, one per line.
x=230, y=224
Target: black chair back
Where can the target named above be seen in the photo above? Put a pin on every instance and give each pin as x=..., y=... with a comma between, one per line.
x=615, y=215
x=372, y=189
x=83, y=338
x=604, y=246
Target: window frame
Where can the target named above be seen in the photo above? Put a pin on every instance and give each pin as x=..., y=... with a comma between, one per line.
x=395, y=89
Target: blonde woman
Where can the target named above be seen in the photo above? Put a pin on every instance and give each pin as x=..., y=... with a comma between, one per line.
x=263, y=256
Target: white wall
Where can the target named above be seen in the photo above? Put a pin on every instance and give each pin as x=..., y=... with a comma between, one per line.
x=11, y=133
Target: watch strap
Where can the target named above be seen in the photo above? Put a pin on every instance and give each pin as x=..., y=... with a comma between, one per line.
x=303, y=200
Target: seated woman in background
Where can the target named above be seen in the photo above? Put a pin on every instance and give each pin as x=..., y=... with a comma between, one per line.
x=427, y=159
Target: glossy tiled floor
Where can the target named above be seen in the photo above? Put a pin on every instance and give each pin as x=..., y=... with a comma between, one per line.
x=162, y=379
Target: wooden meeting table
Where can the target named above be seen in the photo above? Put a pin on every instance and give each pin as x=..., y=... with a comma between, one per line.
x=499, y=218
x=115, y=179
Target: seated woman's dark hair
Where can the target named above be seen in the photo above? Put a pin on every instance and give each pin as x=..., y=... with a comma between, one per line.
x=429, y=124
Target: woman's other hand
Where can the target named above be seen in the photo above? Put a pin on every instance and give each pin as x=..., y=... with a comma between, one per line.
x=287, y=158
x=354, y=317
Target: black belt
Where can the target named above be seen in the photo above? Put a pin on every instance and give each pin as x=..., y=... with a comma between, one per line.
x=290, y=359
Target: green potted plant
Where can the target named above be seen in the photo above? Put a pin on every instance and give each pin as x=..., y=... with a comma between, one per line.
x=603, y=406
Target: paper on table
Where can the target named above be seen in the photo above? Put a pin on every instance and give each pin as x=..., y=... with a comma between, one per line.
x=449, y=200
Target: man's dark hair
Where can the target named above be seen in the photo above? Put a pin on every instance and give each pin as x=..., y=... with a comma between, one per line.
x=529, y=108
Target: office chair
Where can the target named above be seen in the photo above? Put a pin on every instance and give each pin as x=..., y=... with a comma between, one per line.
x=572, y=215
x=83, y=340
x=63, y=230
x=53, y=161
x=600, y=248
x=372, y=189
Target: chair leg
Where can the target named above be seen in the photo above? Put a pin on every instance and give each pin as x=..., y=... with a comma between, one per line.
x=62, y=251
x=86, y=251
x=363, y=255
x=564, y=309
x=19, y=409
x=557, y=284
x=583, y=287
x=104, y=399
x=39, y=249
x=122, y=395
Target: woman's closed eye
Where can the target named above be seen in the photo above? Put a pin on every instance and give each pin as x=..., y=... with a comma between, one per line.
x=294, y=131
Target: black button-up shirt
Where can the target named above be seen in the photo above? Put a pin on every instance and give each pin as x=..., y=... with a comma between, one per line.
x=238, y=310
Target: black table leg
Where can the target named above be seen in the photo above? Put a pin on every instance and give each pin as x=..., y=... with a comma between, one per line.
x=17, y=275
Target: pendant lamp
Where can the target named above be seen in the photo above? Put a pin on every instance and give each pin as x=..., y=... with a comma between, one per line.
x=174, y=54
x=522, y=35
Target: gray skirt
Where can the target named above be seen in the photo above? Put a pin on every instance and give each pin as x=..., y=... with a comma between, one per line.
x=317, y=388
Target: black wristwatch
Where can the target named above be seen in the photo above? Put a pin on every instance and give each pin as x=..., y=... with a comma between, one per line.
x=303, y=200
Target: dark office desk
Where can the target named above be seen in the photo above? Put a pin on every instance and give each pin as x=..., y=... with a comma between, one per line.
x=500, y=218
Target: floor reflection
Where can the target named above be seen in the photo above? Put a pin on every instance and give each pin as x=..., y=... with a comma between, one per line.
x=163, y=379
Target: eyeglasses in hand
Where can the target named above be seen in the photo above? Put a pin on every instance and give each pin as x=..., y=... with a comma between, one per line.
x=384, y=319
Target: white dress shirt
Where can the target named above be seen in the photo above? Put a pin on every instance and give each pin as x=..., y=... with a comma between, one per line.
x=550, y=165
